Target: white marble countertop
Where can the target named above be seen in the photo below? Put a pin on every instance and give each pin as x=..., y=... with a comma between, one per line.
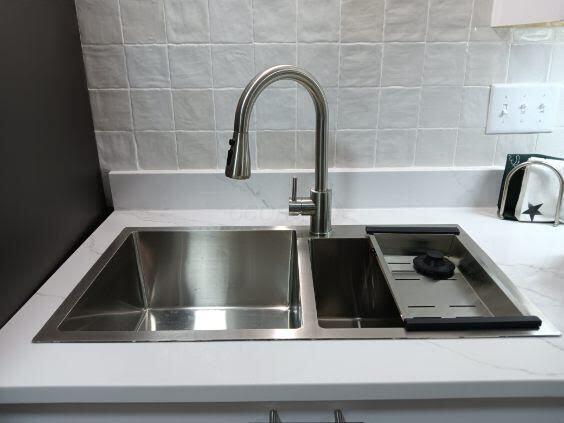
x=531, y=254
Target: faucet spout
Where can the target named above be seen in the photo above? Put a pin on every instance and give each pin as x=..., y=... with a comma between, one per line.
x=238, y=164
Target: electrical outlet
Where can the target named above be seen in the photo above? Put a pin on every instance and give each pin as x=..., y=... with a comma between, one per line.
x=522, y=108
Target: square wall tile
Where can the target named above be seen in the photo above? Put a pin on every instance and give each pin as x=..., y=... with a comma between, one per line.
x=440, y=107
x=322, y=61
x=551, y=144
x=231, y=21
x=232, y=65
x=268, y=55
x=187, y=21
x=306, y=110
x=318, y=20
x=276, y=109
x=406, y=20
x=98, y=21
x=147, y=66
x=403, y=64
x=197, y=150
x=305, y=156
x=225, y=102
x=480, y=28
x=355, y=149
x=358, y=108
x=105, y=66
x=435, y=147
x=143, y=21
x=449, y=20
x=557, y=66
x=360, y=65
x=190, y=66
x=395, y=147
x=529, y=62
x=276, y=149
x=399, y=108
x=487, y=63
x=152, y=110
x=445, y=64
x=514, y=143
x=193, y=110
x=475, y=101
x=116, y=150
x=362, y=21
x=474, y=148
x=156, y=150
x=111, y=110
x=274, y=21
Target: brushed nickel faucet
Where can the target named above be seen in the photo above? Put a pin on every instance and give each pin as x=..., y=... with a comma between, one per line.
x=318, y=204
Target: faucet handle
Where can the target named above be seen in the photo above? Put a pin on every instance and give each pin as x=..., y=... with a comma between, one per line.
x=294, y=188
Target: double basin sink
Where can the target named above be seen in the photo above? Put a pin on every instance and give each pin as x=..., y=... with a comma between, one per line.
x=205, y=284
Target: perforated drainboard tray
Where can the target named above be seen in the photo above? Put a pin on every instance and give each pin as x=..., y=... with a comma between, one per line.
x=419, y=296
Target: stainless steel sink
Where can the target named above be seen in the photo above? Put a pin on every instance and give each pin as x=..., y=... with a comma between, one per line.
x=350, y=289
x=205, y=284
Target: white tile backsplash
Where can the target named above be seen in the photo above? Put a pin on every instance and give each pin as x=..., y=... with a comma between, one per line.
x=362, y=21
x=449, y=20
x=193, y=110
x=147, y=66
x=435, y=147
x=445, y=64
x=197, y=150
x=99, y=21
x=440, y=107
x=190, y=66
x=360, y=65
x=406, y=20
x=105, y=66
x=318, y=20
x=358, y=108
x=187, y=21
x=274, y=21
x=407, y=81
x=156, y=150
x=152, y=110
x=143, y=21
x=403, y=64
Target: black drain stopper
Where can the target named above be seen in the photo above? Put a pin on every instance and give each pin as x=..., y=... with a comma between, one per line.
x=434, y=265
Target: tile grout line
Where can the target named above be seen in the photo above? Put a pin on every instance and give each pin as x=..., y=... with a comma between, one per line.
x=338, y=100
x=377, y=132
x=170, y=84
x=128, y=87
x=464, y=87
x=421, y=83
x=213, y=90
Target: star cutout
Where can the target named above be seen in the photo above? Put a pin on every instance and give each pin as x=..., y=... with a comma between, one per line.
x=533, y=211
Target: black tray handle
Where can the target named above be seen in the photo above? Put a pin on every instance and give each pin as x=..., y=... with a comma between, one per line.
x=413, y=324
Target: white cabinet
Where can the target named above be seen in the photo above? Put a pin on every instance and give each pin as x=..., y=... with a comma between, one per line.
x=522, y=12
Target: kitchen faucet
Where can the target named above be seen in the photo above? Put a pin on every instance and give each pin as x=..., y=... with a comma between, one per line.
x=318, y=204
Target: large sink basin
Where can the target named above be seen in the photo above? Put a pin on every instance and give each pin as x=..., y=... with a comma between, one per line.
x=210, y=284
x=202, y=280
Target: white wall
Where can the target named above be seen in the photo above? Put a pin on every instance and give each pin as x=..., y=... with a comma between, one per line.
x=407, y=80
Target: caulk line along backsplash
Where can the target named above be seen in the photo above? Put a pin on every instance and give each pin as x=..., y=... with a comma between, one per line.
x=407, y=81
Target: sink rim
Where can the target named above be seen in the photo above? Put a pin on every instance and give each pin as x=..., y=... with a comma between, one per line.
x=310, y=328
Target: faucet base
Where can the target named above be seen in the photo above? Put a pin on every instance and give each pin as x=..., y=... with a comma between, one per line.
x=320, y=223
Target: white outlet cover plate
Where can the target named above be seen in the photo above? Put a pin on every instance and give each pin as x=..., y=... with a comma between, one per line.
x=522, y=108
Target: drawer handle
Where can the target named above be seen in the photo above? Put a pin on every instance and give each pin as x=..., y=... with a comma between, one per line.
x=275, y=418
